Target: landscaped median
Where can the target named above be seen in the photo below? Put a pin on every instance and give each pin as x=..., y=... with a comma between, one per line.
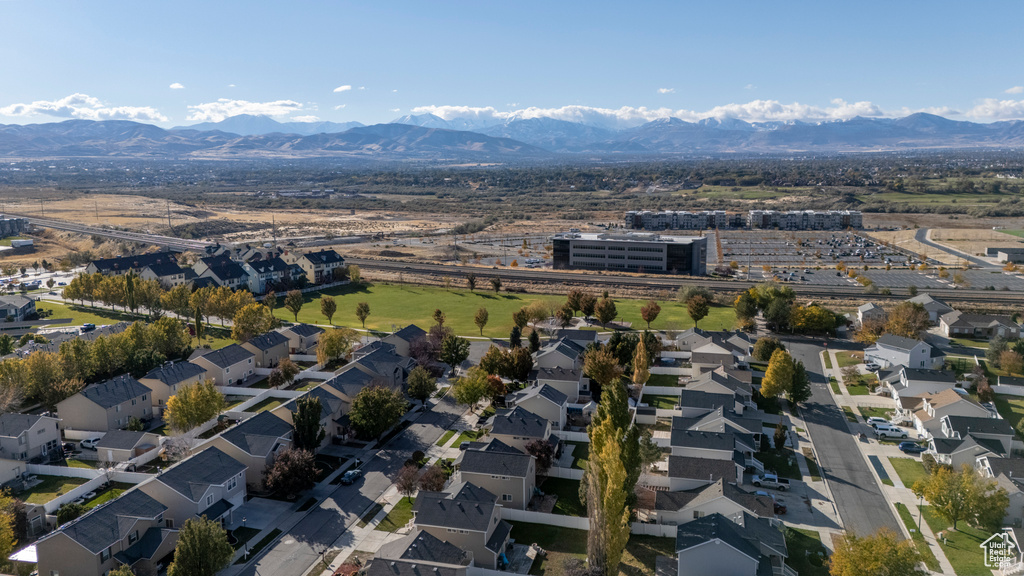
x=919, y=541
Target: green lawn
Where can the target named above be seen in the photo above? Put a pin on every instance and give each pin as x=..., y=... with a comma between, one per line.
x=834, y=385
x=807, y=555
x=1011, y=408
x=969, y=343
x=663, y=380
x=871, y=411
x=468, y=436
x=445, y=437
x=660, y=401
x=857, y=390
x=267, y=404
x=50, y=488
x=909, y=470
x=76, y=463
x=260, y=545
x=562, y=544
x=828, y=360
x=392, y=304
x=812, y=464
x=111, y=493
x=846, y=358
x=962, y=547
x=243, y=535
x=782, y=463
x=398, y=517
x=919, y=541
x=1018, y=233
x=580, y=453
x=568, y=492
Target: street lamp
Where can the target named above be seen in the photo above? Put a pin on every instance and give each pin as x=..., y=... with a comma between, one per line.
x=920, y=511
x=245, y=553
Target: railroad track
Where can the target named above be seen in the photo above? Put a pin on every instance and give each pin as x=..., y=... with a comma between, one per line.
x=670, y=282
x=169, y=242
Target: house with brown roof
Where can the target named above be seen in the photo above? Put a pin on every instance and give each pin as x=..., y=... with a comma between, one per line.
x=929, y=409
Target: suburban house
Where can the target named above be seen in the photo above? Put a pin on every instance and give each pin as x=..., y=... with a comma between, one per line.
x=709, y=350
x=544, y=401
x=255, y=443
x=993, y=429
x=717, y=546
x=927, y=412
x=403, y=339
x=568, y=381
x=870, y=311
x=722, y=419
x=107, y=405
x=517, y=428
x=697, y=404
x=168, y=273
x=268, y=348
x=720, y=381
x=581, y=338
x=210, y=484
x=222, y=270
x=959, y=324
x=127, y=530
x=500, y=469
x=27, y=436
x=890, y=350
x=693, y=472
x=935, y=308
x=903, y=381
x=302, y=338
x=562, y=353
x=347, y=384
x=125, y=264
x=123, y=445
x=958, y=451
x=192, y=278
x=164, y=381
x=467, y=516
x=332, y=408
x=715, y=445
x=719, y=497
x=266, y=274
x=419, y=553
x=319, y=266
x=226, y=366
x=17, y=308
x=385, y=364
x=1009, y=475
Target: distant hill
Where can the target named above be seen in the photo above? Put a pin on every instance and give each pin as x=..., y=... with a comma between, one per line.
x=248, y=125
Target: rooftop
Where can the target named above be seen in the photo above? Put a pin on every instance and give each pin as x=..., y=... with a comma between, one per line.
x=115, y=391
x=258, y=435
x=193, y=476
x=227, y=356
x=174, y=373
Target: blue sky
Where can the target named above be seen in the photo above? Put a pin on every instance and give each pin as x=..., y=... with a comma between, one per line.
x=625, y=62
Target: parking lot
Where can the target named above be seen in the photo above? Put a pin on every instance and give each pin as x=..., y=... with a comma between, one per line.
x=806, y=249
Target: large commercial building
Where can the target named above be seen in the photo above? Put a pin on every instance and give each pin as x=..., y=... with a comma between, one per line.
x=631, y=252
x=676, y=220
x=805, y=219
x=709, y=219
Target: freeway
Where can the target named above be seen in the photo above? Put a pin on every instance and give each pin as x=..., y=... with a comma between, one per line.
x=857, y=496
x=168, y=241
x=668, y=282
x=300, y=546
x=923, y=236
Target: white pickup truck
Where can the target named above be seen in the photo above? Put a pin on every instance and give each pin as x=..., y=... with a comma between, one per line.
x=771, y=481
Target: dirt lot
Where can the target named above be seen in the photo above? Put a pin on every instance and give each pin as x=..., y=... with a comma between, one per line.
x=975, y=241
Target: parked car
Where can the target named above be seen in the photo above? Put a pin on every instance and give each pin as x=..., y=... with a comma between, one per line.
x=771, y=481
x=779, y=508
x=90, y=443
x=89, y=327
x=912, y=448
x=872, y=367
x=350, y=477
x=875, y=420
x=889, y=431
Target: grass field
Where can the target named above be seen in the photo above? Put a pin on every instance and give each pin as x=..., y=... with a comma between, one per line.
x=445, y=437
x=834, y=385
x=50, y=488
x=962, y=547
x=398, y=517
x=268, y=404
x=663, y=380
x=580, y=454
x=828, y=361
x=660, y=401
x=399, y=305
x=112, y=493
x=919, y=541
x=562, y=544
x=969, y=343
x=806, y=552
x=909, y=470
x=849, y=358
x=568, y=492
x=468, y=436
x=782, y=463
x=869, y=411
x=812, y=464
x=1011, y=408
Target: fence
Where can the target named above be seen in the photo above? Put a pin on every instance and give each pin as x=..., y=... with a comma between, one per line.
x=662, y=530
x=1008, y=390
x=545, y=518
x=664, y=390
x=675, y=354
x=566, y=473
x=303, y=357
x=315, y=375
x=568, y=436
x=90, y=486
x=671, y=371
x=264, y=395
x=73, y=434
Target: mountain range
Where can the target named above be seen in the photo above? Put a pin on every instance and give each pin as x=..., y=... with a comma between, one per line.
x=429, y=137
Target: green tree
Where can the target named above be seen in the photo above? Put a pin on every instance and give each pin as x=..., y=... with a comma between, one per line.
x=7, y=344
x=363, y=312
x=293, y=302
x=202, y=549
x=964, y=495
x=471, y=281
x=329, y=307
x=335, y=343
x=574, y=300
x=777, y=313
x=907, y=319
x=697, y=307
x=778, y=378
x=649, y=451
x=520, y=363
x=588, y=302
x=640, y=364
x=494, y=361
x=746, y=305
x=355, y=275
x=177, y=300
x=534, y=340
x=293, y=470
x=515, y=337
x=169, y=337
x=131, y=284
x=193, y=405
x=605, y=311
x=309, y=433
x=480, y=319
x=135, y=425
x=252, y=320
x=496, y=284
x=1012, y=362
x=454, y=351
x=765, y=347
x=68, y=512
x=649, y=312
x=471, y=388
x=521, y=317
x=881, y=554
x=800, y=391
x=122, y=570
x=375, y=410
x=439, y=317
x=420, y=384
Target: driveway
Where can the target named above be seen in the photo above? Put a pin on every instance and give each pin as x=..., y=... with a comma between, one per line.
x=857, y=496
x=301, y=545
x=922, y=236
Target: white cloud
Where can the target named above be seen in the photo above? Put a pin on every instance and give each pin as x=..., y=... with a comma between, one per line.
x=396, y=109
x=993, y=109
x=343, y=88
x=225, y=108
x=84, y=107
x=393, y=91
x=339, y=106
x=177, y=86
x=362, y=87
x=231, y=85
x=309, y=118
x=1015, y=90
x=749, y=87
x=666, y=90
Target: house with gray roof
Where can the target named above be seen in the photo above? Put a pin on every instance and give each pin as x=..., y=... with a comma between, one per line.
x=935, y=307
x=718, y=546
x=692, y=472
x=17, y=308
x=958, y=324
x=466, y=516
x=996, y=429
x=562, y=353
x=582, y=338
x=227, y=366
x=106, y=405
x=500, y=469
x=332, y=411
x=957, y=451
x=870, y=311
x=715, y=445
x=128, y=530
x=255, y=442
x=697, y=403
x=268, y=349
x=1008, y=473
x=164, y=381
x=27, y=436
x=543, y=400
x=124, y=264
x=222, y=270
x=568, y=380
x=403, y=339
x=266, y=274
x=903, y=381
x=302, y=338
x=720, y=381
x=890, y=350
x=420, y=547
x=123, y=445
x=210, y=483
x=385, y=365
x=168, y=274
x=723, y=419
x=518, y=427
x=322, y=266
x=720, y=496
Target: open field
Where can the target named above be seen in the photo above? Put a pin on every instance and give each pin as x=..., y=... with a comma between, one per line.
x=975, y=241
x=398, y=305
x=905, y=239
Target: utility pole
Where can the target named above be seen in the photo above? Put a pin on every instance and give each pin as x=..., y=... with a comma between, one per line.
x=273, y=229
x=169, y=227
x=96, y=205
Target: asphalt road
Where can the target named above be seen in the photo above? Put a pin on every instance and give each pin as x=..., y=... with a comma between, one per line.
x=855, y=492
x=299, y=547
x=922, y=236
